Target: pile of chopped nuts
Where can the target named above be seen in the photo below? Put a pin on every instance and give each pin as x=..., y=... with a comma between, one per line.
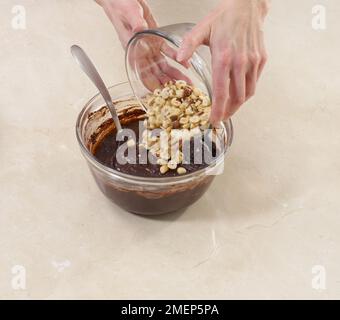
x=177, y=107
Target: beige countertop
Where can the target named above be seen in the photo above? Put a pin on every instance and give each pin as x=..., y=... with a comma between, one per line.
x=262, y=229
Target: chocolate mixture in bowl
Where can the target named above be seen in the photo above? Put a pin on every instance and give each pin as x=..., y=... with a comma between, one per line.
x=180, y=114
x=107, y=147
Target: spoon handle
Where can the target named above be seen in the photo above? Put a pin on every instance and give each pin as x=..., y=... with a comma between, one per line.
x=88, y=67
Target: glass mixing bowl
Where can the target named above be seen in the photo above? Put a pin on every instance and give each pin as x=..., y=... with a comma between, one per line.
x=140, y=195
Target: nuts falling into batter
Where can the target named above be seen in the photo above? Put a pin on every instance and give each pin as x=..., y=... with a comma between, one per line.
x=181, y=111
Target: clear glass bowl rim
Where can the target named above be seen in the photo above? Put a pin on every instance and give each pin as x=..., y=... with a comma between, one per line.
x=156, y=181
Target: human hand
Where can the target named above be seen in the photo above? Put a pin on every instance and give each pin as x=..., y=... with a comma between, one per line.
x=128, y=17
x=131, y=16
x=234, y=33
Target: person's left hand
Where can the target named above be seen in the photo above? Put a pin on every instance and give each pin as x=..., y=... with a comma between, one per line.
x=234, y=33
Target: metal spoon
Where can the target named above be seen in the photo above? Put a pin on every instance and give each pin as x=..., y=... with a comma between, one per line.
x=88, y=67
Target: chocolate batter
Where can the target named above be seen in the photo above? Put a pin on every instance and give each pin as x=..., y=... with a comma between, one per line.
x=105, y=152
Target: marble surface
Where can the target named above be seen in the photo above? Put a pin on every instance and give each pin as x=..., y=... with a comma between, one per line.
x=263, y=228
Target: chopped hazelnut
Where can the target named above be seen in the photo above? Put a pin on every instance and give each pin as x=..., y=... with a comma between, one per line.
x=181, y=170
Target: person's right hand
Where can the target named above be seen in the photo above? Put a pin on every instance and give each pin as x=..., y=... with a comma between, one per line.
x=131, y=16
x=128, y=17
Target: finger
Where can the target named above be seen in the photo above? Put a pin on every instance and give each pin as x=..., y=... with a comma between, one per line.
x=262, y=64
x=147, y=66
x=251, y=79
x=172, y=72
x=148, y=16
x=264, y=57
x=172, y=54
x=237, y=91
x=168, y=51
x=150, y=81
x=190, y=42
x=146, y=73
x=158, y=72
x=221, y=83
x=165, y=72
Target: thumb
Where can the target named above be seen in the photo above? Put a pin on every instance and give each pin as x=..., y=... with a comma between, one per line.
x=190, y=42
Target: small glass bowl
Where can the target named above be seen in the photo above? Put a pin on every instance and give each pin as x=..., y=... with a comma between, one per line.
x=150, y=61
x=140, y=195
